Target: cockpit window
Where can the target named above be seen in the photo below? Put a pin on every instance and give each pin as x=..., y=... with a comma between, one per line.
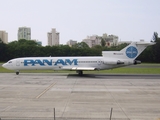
x=10, y=62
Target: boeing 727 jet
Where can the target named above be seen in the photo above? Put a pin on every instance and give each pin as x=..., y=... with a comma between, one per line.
x=108, y=60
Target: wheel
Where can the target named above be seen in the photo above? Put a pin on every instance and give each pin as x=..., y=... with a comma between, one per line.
x=80, y=72
x=17, y=73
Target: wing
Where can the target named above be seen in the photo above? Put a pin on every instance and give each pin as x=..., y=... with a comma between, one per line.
x=79, y=68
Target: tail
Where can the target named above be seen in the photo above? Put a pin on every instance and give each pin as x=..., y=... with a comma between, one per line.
x=129, y=53
x=133, y=50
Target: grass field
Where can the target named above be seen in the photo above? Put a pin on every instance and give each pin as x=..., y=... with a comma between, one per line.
x=139, y=69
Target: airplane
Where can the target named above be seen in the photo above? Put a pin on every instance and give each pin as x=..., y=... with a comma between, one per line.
x=108, y=60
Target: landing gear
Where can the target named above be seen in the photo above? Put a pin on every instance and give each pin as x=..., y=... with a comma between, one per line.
x=17, y=73
x=80, y=72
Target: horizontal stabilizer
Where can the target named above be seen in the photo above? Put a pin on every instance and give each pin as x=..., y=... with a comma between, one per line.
x=145, y=43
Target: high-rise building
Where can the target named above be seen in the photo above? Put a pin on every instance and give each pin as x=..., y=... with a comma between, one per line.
x=24, y=33
x=4, y=36
x=53, y=37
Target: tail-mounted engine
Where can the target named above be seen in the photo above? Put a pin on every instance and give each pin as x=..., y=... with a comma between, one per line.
x=135, y=62
x=120, y=62
x=113, y=62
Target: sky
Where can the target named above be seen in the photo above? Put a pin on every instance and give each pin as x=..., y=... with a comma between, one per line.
x=130, y=20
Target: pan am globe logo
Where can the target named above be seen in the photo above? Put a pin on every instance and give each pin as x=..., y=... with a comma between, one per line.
x=131, y=52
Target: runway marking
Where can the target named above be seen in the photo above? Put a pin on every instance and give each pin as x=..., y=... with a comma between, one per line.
x=8, y=108
x=118, y=90
x=49, y=87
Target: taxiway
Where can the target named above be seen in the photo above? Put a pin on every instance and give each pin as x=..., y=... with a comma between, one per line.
x=34, y=95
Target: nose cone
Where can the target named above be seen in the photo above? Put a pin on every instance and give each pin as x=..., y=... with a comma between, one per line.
x=4, y=65
x=7, y=66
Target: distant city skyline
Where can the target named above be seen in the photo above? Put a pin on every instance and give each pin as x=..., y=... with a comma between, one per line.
x=24, y=33
x=129, y=20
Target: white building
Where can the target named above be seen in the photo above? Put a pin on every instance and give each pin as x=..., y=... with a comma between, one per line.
x=24, y=33
x=111, y=40
x=92, y=40
x=4, y=36
x=53, y=37
x=71, y=42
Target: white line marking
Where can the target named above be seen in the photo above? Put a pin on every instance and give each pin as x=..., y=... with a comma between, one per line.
x=49, y=87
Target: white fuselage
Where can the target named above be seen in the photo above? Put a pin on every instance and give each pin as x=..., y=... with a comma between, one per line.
x=59, y=63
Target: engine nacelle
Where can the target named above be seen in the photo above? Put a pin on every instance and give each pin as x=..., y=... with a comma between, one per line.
x=113, y=62
x=135, y=62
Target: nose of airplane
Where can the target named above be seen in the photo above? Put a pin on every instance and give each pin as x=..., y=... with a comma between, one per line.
x=4, y=65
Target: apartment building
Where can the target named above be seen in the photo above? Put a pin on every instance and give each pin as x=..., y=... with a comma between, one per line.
x=4, y=36
x=24, y=33
x=53, y=37
x=71, y=43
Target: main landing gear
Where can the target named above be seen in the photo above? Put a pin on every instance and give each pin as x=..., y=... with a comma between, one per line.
x=80, y=72
x=17, y=73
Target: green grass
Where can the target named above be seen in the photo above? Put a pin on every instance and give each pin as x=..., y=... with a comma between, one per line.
x=123, y=70
x=134, y=70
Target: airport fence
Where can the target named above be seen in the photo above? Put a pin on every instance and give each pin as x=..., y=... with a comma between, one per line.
x=65, y=118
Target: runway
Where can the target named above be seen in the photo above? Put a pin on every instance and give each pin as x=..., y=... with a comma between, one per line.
x=116, y=76
x=89, y=97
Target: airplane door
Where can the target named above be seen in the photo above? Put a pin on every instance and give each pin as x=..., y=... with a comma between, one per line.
x=17, y=62
x=99, y=62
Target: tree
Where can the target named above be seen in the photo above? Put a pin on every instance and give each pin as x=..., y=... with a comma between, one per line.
x=155, y=37
x=1, y=40
x=24, y=42
x=27, y=42
x=156, y=48
x=103, y=42
x=80, y=45
x=2, y=51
